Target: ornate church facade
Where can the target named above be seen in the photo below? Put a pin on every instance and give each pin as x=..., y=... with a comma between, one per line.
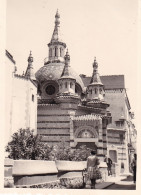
x=73, y=109
x=68, y=111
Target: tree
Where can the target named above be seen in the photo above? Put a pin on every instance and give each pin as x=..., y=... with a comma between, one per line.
x=25, y=145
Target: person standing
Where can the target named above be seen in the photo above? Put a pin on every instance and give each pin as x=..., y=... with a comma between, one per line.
x=92, y=168
x=109, y=165
x=134, y=167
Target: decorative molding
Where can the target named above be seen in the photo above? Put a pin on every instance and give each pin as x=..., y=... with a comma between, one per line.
x=88, y=128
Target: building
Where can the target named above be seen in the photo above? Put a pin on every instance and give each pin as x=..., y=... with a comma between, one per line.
x=72, y=109
x=77, y=109
x=67, y=111
x=121, y=132
x=21, y=97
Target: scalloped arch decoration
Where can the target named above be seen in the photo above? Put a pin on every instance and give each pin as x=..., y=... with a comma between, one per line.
x=89, y=131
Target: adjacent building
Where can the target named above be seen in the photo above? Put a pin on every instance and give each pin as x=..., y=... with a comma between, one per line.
x=21, y=97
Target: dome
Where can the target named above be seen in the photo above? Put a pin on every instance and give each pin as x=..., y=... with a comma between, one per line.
x=53, y=71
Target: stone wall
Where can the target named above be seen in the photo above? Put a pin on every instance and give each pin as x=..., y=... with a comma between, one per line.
x=26, y=173
x=53, y=124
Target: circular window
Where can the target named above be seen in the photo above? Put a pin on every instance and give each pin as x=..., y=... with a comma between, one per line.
x=50, y=89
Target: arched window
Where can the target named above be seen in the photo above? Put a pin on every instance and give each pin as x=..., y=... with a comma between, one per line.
x=61, y=52
x=95, y=91
x=66, y=84
x=50, y=52
x=71, y=84
x=100, y=90
x=55, y=51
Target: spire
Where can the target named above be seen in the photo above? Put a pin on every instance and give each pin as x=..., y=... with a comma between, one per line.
x=56, y=45
x=30, y=58
x=56, y=33
x=95, y=89
x=29, y=71
x=67, y=80
x=67, y=72
x=95, y=77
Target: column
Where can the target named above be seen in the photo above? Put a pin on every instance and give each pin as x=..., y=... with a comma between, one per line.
x=100, y=141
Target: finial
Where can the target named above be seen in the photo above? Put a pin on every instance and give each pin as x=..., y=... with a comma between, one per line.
x=67, y=52
x=23, y=73
x=30, y=58
x=67, y=56
x=57, y=16
x=95, y=64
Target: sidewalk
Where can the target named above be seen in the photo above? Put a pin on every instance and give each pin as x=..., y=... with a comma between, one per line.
x=110, y=181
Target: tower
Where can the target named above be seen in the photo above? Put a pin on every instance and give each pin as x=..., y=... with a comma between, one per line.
x=67, y=84
x=56, y=45
x=95, y=89
x=30, y=71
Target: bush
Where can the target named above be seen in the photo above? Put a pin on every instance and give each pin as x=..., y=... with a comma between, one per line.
x=67, y=153
x=25, y=145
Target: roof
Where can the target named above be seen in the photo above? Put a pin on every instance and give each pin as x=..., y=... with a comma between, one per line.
x=10, y=56
x=53, y=71
x=109, y=81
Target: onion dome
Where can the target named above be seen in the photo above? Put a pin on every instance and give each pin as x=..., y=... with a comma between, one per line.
x=53, y=71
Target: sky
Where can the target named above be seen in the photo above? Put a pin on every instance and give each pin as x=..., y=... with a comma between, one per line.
x=106, y=29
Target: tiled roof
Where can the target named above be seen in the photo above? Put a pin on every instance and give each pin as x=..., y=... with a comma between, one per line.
x=109, y=81
x=53, y=71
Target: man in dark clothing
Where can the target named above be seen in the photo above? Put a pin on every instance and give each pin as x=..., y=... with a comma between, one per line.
x=109, y=165
x=134, y=166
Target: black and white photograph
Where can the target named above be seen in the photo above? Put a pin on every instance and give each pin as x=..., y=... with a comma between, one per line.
x=71, y=106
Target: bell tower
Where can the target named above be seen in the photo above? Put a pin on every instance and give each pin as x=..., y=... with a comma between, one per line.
x=56, y=45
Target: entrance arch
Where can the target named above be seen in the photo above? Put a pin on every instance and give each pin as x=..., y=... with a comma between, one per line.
x=90, y=145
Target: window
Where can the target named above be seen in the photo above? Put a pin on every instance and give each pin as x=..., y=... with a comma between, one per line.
x=121, y=138
x=61, y=52
x=50, y=89
x=100, y=90
x=50, y=52
x=55, y=51
x=113, y=155
x=66, y=84
x=95, y=91
x=71, y=84
x=119, y=123
x=32, y=98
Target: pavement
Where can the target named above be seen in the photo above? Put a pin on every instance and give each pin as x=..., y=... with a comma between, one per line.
x=121, y=181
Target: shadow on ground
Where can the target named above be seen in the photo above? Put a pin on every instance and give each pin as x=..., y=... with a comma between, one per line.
x=129, y=178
